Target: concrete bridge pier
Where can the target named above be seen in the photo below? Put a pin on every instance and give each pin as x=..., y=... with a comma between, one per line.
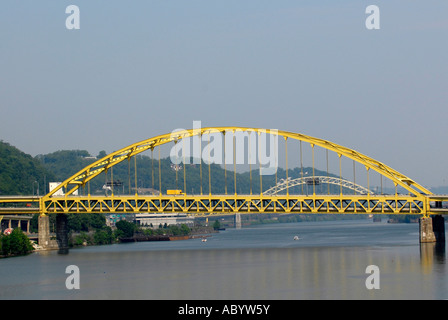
x=44, y=237
x=438, y=226
x=62, y=233
x=432, y=229
x=238, y=220
x=44, y=231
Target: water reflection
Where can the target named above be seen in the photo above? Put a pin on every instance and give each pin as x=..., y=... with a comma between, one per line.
x=431, y=253
x=291, y=273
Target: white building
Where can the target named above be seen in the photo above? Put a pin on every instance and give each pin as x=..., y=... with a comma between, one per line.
x=161, y=218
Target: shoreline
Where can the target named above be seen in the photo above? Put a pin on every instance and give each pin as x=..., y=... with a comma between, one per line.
x=143, y=238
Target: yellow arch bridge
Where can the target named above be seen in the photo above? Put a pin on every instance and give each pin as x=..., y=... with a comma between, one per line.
x=263, y=150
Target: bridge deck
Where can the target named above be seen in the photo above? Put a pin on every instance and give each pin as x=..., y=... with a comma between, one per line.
x=19, y=205
x=4, y=211
x=19, y=198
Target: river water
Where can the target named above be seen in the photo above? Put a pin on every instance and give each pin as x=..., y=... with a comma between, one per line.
x=329, y=261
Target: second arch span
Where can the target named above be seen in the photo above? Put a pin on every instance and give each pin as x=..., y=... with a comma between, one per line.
x=284, y=184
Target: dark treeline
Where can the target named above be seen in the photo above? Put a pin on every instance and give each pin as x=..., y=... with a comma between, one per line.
x=20, y=173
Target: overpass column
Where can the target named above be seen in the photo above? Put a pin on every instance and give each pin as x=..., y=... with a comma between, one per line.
x=62, y=233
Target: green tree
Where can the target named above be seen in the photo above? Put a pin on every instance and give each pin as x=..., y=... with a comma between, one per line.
x=216, y=225
x=126, y=228
x=102, y=154
x=16, y=243
x=184, y=229
x=20, y=173
x=86, y=221
x=175, y=230
x=103, y=236
x=82, y=238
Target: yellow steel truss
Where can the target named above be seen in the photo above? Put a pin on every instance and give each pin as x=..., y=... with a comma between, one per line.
x=226, y=204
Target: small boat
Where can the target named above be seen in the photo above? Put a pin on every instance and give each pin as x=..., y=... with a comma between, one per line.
x=296, y=238
x=204, y=240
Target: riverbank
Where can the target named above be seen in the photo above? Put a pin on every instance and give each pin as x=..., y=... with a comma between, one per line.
x=195, y=232
x=141, y=238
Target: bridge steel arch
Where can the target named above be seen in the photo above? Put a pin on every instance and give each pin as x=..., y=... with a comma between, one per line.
x=96, y=168
x=416, y=202
x=284, y=184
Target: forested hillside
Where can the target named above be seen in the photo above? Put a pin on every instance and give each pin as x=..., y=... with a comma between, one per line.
x=20, y=173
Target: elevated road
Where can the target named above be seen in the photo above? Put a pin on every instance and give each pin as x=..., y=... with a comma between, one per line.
x=19, y=205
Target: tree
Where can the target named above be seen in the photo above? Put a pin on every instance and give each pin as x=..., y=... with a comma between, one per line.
x=185, y=229
x=103, y=236
x=16, y=243
x=101, y=155
x=216, y=225
x=86, y=221
x=126, y=228
x=20, y=173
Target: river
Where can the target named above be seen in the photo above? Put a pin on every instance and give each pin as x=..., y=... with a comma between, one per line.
x=329, y=261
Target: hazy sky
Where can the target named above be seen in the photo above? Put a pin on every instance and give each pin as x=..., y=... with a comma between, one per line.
x=136, y=69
